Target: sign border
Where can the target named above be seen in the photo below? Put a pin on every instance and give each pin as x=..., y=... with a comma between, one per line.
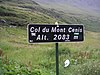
x=54, y=42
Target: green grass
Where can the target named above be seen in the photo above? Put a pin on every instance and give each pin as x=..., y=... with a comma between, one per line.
x=20, y=17
x=20, y=13
x=13, y=42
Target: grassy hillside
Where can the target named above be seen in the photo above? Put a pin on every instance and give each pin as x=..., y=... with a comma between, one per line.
x=13, y=42
x=18, y=57
x=74, y=14
x=22, y=14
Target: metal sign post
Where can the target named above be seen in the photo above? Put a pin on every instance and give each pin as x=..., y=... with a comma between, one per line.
x=57, y=59
x=57, y=55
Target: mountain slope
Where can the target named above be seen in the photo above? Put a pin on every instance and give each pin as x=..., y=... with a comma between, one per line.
x=20, y=13
x=76, y=11
x=18, y=57
x=93, y=4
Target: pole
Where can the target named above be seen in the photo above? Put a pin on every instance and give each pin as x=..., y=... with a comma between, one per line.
x=57, y=60
x=57, y=55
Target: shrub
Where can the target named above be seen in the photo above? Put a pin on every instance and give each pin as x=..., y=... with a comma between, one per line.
x=14, y=68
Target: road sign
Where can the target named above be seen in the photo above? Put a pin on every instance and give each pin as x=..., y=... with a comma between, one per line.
x=38, y=33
